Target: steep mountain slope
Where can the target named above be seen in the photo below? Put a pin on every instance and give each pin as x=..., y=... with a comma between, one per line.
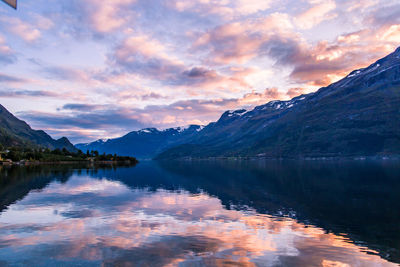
x=356, y=116
x=145, y=143
x=15, y=132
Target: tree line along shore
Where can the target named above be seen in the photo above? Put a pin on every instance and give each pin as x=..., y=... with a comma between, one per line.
x=23, y=156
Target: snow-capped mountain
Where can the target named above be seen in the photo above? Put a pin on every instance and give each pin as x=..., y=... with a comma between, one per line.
x=144, y=143
x=356, y=116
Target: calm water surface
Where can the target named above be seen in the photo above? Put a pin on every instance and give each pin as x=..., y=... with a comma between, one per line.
x=202, y=214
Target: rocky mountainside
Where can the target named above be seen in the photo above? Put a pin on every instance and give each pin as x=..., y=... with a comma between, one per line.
x=356, y=116
x=15, y=132
x=144, y=144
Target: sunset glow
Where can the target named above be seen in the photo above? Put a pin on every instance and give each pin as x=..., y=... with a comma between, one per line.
x=97, y=69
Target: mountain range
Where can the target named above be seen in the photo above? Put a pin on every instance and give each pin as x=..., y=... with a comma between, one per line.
x=15, y=132
x=145, y=143
x=357, y=116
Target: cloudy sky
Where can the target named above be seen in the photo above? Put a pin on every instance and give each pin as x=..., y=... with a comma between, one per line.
x=90, y=69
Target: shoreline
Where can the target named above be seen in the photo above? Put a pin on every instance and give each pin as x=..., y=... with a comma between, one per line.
x=326, y=158
x=34, y=163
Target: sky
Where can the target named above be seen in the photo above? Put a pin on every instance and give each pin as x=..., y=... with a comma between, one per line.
x=89, y=69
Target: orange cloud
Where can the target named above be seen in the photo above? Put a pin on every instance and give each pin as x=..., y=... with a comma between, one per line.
x=391, y=34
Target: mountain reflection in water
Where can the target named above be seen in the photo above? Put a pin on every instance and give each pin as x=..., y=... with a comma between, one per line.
x=202, y=213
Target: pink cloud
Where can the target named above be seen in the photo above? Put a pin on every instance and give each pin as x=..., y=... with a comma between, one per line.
x=148, y=58
x=68, y=73
x=293, y=92
x=26, y=93
x=224, y=9
x=358, y=5
x=4, y=48
x=108, y=15
x=7, y=55
x=239, y=42
x=247, y=7
x=327, y=62
x=25, y=30
x=319, y=11
x=256, y=98
x=390, y=34
x=141, y=45
x=275, y=37
x=209, y=80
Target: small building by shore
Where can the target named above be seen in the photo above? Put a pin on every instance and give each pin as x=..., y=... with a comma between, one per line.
x=6, y=162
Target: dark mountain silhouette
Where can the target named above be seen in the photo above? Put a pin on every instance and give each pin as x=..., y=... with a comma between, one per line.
x=15, y=132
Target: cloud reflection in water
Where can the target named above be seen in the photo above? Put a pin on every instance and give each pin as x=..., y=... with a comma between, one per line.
x=93, y=221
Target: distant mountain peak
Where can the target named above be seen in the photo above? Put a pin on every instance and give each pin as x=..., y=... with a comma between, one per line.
x=148, y=130
x=144, y=143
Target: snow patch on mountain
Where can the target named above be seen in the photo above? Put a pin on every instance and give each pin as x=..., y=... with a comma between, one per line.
x=182, y=128
x=239, y=112
x=354, y=74
x=201, y=127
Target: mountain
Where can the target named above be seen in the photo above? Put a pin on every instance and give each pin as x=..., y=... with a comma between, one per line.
x=356, y=116
x=15, y=132
x=144, y=144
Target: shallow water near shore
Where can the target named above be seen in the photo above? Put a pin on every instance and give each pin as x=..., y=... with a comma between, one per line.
x=207, y=213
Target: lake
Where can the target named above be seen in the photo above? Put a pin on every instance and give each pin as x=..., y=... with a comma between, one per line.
x=205, y=213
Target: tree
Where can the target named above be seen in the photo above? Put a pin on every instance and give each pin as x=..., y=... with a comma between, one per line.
x=14, y=155
x=56, y=151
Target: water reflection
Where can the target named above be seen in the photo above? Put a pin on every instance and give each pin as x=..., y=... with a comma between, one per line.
x=204, y=213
